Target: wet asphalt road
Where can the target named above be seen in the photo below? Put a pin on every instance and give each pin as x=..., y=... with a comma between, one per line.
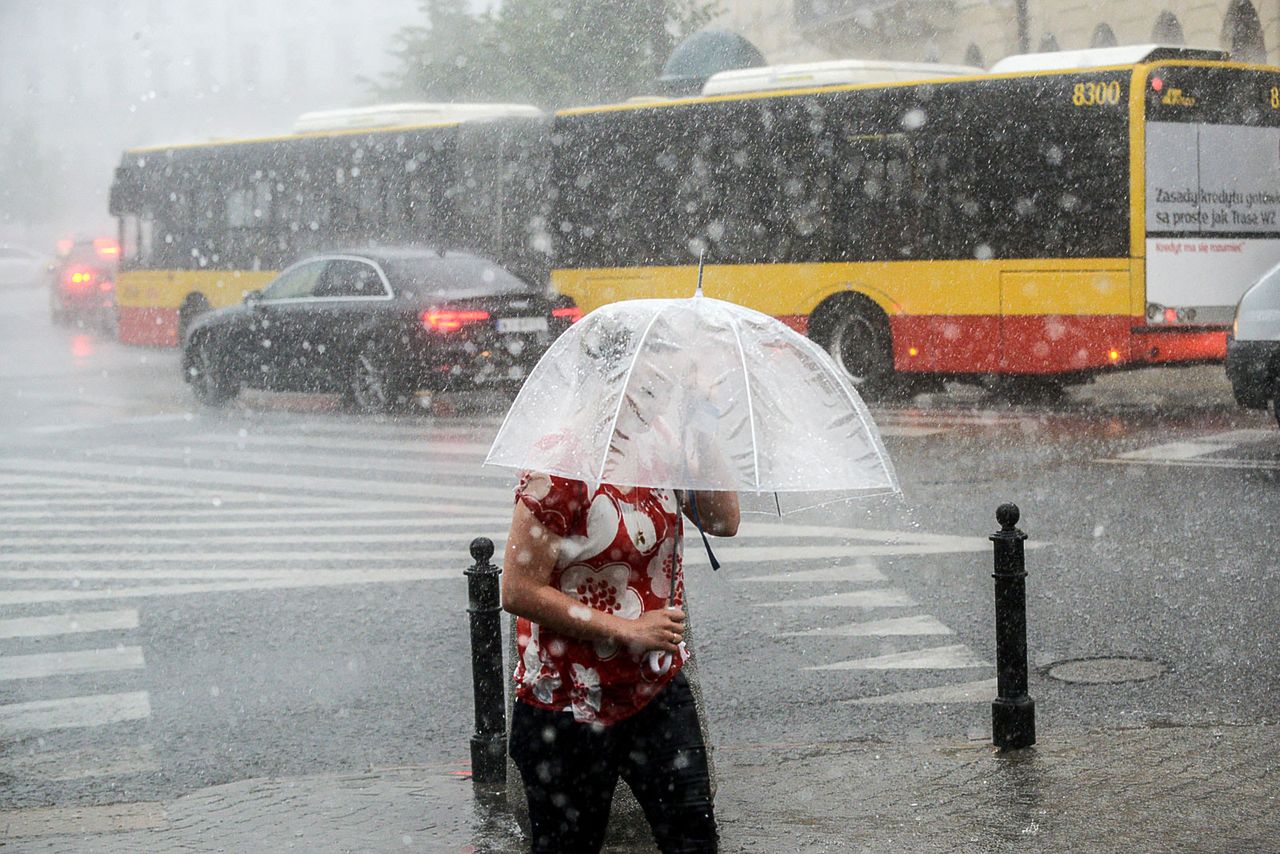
x=191, y=597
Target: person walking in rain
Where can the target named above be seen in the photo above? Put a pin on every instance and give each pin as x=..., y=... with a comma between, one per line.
x=594, y=573
x=600, y=693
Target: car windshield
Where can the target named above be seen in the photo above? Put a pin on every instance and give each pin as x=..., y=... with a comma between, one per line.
x=453, y=275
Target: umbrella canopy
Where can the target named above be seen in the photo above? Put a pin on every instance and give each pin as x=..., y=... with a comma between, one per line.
x=696, y=394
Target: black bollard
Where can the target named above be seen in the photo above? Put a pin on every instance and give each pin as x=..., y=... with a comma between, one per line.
x=489, y=744
x=1013, y=713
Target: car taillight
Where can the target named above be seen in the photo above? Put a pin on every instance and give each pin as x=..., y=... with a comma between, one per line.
x=106, y=285
x=106, y=247
x=77, y=278
x=451, y=320
x=573, y=314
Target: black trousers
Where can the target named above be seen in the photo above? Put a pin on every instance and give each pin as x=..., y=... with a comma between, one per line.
x=570, y=770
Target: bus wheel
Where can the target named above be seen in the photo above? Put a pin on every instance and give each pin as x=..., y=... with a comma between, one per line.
x=192, y=307
x=859, y=341
x=211, y=385
x=373, y=386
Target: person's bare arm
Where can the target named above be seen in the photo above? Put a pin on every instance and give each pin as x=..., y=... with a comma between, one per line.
x=718, y=512
x=527, y=592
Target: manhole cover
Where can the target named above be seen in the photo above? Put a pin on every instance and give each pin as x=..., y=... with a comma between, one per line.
x=1099, y=671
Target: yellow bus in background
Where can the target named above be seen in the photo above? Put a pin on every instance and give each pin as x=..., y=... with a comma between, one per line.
x=1041, y=222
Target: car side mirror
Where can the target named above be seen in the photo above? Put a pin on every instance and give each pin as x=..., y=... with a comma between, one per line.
x=253, y=296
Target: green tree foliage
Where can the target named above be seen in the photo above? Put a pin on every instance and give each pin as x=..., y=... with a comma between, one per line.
x=552, y=53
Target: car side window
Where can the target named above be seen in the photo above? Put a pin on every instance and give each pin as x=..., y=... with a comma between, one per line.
x=296, y=283
x=347, y=278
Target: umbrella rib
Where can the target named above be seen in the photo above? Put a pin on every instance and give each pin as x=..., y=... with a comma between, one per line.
x=626, y=381
x=751, y=413
x=859, y=408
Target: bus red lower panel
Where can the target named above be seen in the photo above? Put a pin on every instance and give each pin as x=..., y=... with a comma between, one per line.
x=151, y=327
x=1160, y=346
x=1016, y=344
x=959, y=344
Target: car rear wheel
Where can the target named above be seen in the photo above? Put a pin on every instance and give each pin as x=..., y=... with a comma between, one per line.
x=374, y=385
x=209, y=381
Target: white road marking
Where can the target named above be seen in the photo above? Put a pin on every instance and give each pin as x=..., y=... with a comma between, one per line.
x=1190, y=449
x=143, y=419
x=270, y=540
x=44, y=664
x=73, y=712
x=106, y=499
x=231, y=507
x=413, y=519
x=297, y=580
x=922, y=624
x=263, y=482
x=65, y=624
x=982, y=691
x=886, y=598
x=1216, y=463
x=908, y=432
x=420, y=556
x=953, y=657
x=857, y=572
x=454, y=450
x=307, y=458
x=318, y=576
x=85, y=822
x=81, y=764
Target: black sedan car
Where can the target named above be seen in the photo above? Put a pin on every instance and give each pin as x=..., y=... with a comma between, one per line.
x=377, y=326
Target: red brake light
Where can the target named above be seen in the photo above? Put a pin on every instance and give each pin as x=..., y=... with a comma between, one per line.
x=78, y=277
x=573, y=313
x=106, y=247
x=1157, y=84
x=451, y=320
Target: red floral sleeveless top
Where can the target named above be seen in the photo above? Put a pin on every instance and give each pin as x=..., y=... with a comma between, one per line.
x=619, y=553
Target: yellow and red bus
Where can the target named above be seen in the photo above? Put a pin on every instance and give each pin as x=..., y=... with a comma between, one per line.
x=1035, y=221
x=202, y=224
x=1061, y=216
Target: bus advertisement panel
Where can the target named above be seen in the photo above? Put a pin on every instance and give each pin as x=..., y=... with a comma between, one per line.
x=1212, y=190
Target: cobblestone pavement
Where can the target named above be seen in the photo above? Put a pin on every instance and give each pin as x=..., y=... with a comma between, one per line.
x=1208, y=788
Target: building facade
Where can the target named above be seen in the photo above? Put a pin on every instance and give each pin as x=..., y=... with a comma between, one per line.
x=980, y=32
x=84, y=80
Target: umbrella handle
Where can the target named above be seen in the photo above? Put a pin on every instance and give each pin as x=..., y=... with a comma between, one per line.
x=660, y=662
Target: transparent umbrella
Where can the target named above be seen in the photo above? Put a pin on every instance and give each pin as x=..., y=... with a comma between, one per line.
x=695, y=394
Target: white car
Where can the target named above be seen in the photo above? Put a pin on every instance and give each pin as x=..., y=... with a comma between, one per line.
x=21, y=268
x=1253, y=349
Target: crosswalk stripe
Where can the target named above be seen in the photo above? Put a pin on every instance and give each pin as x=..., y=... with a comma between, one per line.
x=309, y=459
x=421, y=556
x=477, y=450
x=319, y=576
x=879, y=598
x=415, y=520
x=922, y=624
x=43, y=664
x=63, y=765
x=232, y=507
x=73, y=712
x=155, y=501
x=465, y=496
x=297, y=580
x=908, y=432
x=982, y=691
x=857, y=572
x=65, y=624
x=204, y=540
x=953, y=657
